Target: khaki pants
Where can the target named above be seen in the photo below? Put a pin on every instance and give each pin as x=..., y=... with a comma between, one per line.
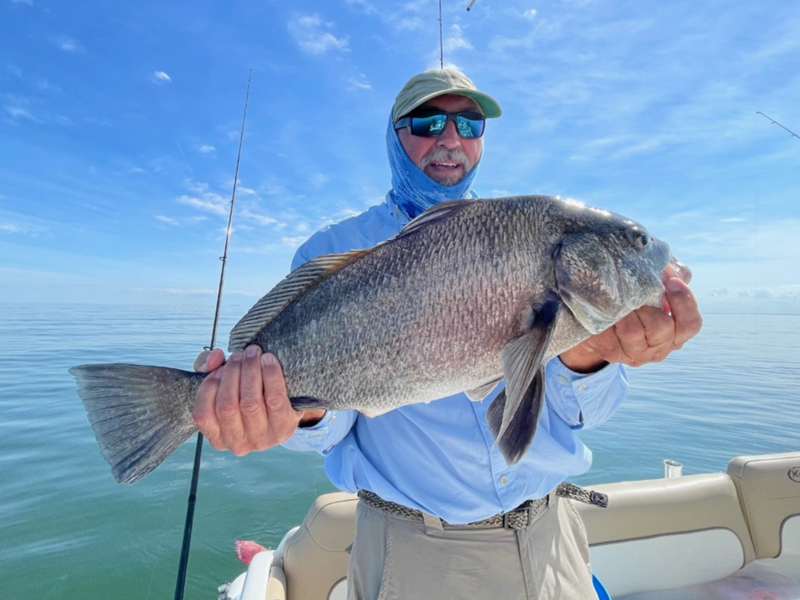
x=397, y=558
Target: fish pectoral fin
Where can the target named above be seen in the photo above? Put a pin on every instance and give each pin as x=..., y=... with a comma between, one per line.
x=522, y=357
x=480, y=392
x=518, y=436
x=300, y=403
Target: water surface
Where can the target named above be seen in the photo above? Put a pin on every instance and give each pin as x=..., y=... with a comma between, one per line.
x=69, y=532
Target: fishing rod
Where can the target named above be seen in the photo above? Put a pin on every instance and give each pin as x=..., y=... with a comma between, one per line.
x=441, y=43
x=774, y=122
x=180, y=585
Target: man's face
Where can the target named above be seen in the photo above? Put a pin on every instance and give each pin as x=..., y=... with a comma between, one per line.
x=447, y=158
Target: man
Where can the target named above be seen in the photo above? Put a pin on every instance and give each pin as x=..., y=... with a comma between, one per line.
x=436, y=492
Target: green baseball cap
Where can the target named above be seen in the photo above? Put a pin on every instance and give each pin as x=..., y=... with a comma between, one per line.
x=437, y=82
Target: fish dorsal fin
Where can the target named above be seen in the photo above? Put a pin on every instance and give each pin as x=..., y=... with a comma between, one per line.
x=435, y=213
x=294, y=285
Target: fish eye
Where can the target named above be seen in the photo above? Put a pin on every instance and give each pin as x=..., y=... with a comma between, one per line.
x=637, y=237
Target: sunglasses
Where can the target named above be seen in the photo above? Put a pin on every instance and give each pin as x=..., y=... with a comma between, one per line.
x=432, y=123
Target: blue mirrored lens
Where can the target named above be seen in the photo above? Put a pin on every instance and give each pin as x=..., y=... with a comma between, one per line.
x=433, y=125
x=469, y=127
x=428, y=126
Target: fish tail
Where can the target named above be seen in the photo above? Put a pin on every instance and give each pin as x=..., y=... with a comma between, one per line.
x=139, y=414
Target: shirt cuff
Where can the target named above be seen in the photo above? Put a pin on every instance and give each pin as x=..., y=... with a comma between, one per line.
x=322, y=436
x=585, y=400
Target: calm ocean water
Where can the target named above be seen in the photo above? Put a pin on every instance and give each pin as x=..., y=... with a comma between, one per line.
x=69, y=532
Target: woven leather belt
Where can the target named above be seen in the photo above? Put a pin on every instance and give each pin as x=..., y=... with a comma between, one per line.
x=519, y=518
x=514, y=519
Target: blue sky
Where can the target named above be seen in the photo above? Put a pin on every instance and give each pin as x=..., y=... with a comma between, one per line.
x=119, y=125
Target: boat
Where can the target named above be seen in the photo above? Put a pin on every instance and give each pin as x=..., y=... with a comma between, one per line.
x=732, y=535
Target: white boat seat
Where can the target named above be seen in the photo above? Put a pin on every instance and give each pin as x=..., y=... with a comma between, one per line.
x=314, y=558
x=666, y=533
x=655, y=534
x=677, y=533
x=769, y=486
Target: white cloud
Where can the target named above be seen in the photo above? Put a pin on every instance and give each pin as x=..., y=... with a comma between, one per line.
x=293, y=242
x=529, y=14
x=188, y=292
x=778, y=292
x=260, y=219
x=178, y=291
x=160, y=77
x=358, y=82
x=213, y=203
x=29, y=228
x=17, y=113
x=409, y=23
x=67, y=44
x=45, y=86
x=456, y=41
x=365, y=6
x=310, y=34
x=198, y=186
x=206, y=148
x=734, y=220
x=318, y=180
x=178, y=222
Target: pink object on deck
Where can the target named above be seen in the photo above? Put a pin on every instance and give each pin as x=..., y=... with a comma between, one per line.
x=246, y=550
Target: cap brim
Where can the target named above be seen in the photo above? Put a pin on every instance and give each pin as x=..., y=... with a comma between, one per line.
x=489, y=106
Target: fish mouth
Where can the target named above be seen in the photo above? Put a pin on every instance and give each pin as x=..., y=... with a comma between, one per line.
x=675, y=269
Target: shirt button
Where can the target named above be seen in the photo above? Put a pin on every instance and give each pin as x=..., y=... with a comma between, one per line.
x=503, y=480
x=582, y=387
x=332, y=419
x=562, y=379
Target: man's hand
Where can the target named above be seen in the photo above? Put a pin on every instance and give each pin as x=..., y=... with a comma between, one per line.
x=243, y=406
x=645, y=335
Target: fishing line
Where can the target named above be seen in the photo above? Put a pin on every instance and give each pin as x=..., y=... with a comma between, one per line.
x=188, y=166
x=180, y=585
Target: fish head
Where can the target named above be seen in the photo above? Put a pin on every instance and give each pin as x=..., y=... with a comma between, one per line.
x=607, y=268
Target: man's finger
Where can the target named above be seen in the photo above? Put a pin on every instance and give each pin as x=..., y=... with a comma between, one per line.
x=252, y=405
x=227, y=406
x=204, y=412
x=659, y=327
x=283, y=419
x=208, y=360
x=632, y=339
x=684, y=311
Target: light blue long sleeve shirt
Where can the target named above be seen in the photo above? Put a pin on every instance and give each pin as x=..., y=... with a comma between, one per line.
x=440, y=457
